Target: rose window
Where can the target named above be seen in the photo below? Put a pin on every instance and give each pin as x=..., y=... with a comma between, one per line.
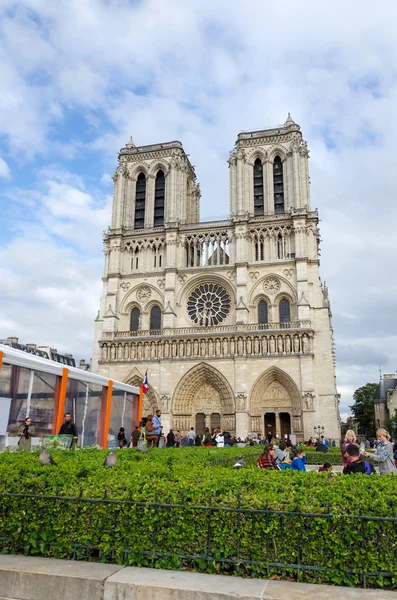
x=209, y=304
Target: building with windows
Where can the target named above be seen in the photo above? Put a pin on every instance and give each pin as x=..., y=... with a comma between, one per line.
x=385, y=401
x=229, y=317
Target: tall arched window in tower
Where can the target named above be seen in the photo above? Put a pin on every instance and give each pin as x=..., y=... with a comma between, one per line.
x=140, y=198
x=155, y=318
x=258, y=188
x=278, y=183
x=262, y=313
x=135, y=318
x=284, y=311
x=159, y=198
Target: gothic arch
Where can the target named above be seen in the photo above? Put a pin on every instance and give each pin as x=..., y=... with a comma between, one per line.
x=150, y=399
x=139, y=168
x=129, y=298
x=186, y=391
x=257, y=288
x=257, y=153
x=277, y=151
x=261, y=385
x=159, y=165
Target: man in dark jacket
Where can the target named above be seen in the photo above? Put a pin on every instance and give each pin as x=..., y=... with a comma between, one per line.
x=68, y=428
x=356, y=464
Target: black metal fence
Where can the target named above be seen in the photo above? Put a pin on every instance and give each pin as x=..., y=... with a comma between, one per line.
x=321, y=547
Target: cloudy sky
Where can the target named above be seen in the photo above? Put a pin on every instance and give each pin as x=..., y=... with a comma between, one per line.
x=78, y=77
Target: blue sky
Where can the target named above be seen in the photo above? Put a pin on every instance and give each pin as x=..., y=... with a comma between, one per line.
x=78, y=78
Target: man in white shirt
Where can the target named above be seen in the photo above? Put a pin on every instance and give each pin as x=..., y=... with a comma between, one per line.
x=191, y=436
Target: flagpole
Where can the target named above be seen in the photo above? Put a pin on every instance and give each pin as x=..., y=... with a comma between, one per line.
x=140, y=406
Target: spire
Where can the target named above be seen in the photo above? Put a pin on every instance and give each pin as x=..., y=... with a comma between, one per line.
x=130, y=144
x=289, y=121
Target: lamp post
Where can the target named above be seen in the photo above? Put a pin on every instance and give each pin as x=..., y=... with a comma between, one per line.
x=319, y=431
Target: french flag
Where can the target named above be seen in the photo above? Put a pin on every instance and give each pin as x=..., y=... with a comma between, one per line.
x=145, y=384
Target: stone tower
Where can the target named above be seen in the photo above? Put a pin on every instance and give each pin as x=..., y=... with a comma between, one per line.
x=229, y=317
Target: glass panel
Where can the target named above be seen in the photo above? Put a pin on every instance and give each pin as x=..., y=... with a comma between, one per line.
x=42, y=403
x=285, y=312
x=20, y=379
x=155, y=318
x=124, y=413
x=84, y=402
x=134, y=320
x=262, y=312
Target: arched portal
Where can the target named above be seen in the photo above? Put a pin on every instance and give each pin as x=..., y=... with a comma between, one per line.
x=205, y=390
x=276, y=405
x=150, y=401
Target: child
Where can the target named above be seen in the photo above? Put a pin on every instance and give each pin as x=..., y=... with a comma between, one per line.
x=384, y=453
x=325, y=468
x=355, y=464
x=299, y=461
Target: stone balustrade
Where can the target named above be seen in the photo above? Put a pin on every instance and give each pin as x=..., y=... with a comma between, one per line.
x=210, y=346
x=211, y=330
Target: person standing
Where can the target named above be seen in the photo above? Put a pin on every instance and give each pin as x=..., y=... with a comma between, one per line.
x=170, y=439
x=177, y=439
x=68, y=427
x=157, y=424
x=191, y=436
x=135, y=437
x=26, y=431
x=384, y=453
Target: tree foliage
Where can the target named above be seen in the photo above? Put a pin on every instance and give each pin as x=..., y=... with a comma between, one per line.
x=363, y=408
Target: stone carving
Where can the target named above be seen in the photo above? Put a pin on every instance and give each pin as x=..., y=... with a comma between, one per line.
x=308, y=399
x=296, y=424
x=165, y=402
x=240, y=401
x=219, y=347
x=144, y=293
x=288, y=273
x=305, y=343
x=254, y=275
x=125, y=286
x=272, y=285
x=182, y=278
x=231, y=275
x=161, y=283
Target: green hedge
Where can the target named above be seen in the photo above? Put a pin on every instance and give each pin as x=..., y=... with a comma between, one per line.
x=141, y=531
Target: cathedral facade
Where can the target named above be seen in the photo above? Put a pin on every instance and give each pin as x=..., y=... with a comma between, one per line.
x=229, y=317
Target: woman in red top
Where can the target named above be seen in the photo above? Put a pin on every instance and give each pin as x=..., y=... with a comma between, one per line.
x=265, y=461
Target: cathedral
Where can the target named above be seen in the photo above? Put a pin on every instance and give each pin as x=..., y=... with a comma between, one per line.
x=229, y=317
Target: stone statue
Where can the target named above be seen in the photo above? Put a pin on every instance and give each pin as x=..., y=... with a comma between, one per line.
x=217, y=347
x=104, y=352
x=188, y=348
x=195, y=347
x=133, y=351
x=160, y=350
x=139, y=350
x=305, y=343
x=232, y=346
x=225, y=347
x=153, y=350
x=181, y=348
x=288, y=345
x=309, y=401
x=203, y=348
x=126, y=351
x=112, y=351
x=240, y=402
x=272, y=345
x=166, y=349
x=210, y=347
x=264, y=345
x=147, y=350
x=248, y=345
x=173, y=349
x=240, y=345
x=256, y=346
x=296, y=344
x=280, y=345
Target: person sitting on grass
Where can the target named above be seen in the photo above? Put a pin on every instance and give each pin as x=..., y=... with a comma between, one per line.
x=266, y=459
x=325, y=468
x=299, y=460
x=355, y=464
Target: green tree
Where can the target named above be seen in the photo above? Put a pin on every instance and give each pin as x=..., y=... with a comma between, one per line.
x=363, y=408
x=391, y=426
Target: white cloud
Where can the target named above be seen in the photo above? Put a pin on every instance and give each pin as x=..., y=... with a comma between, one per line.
x=4, y=169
